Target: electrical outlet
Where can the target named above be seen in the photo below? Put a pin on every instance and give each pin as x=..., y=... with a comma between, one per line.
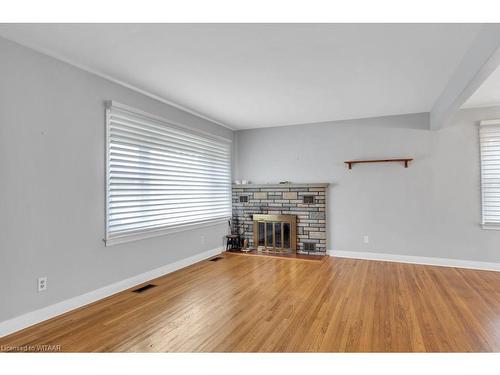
x=42, y=283
x=365, y=238
x=202, y=239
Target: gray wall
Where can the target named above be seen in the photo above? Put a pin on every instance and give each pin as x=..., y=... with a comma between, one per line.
x=430, y=209
x=52, y=184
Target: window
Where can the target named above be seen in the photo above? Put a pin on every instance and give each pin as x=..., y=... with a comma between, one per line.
x=489, y=136
x=162, y=177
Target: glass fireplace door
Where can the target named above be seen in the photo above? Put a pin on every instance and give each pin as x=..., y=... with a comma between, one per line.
x=272, y=235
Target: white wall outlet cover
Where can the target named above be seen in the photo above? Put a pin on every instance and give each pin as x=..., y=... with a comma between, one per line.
x=42, y=283
x=366, y=239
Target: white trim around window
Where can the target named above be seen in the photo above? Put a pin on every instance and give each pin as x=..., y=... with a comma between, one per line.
x=489, y=144
x=162, y=177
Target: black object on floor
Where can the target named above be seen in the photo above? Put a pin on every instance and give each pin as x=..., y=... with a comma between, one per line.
x=233, y=241
x=144, y=288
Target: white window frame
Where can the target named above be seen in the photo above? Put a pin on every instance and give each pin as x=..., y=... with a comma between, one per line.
x=484, y=224
x=109, y=241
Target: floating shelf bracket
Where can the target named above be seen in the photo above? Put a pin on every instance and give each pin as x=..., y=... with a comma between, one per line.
x=405, y=161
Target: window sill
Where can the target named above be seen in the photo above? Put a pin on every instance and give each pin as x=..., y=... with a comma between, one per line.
x=161, y=232
x=491, y=226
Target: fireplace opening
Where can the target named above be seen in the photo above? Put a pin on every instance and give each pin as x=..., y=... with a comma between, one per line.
x=275, y=233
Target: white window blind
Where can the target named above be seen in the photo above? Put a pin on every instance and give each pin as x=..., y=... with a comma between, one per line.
x=162, y=177
x=489, y=136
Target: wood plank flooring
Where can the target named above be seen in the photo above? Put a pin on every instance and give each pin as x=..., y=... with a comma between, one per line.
x=267, y=304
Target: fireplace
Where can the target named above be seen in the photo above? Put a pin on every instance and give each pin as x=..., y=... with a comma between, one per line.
x=307, y=203
x=275, y=233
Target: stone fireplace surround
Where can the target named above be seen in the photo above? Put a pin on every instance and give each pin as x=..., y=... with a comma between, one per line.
x=285, y=199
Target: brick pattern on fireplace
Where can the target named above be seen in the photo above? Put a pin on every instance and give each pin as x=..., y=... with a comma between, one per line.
x=285, y=200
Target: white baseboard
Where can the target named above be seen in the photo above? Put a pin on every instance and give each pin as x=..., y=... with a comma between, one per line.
x=15, y=324
x=431, y=261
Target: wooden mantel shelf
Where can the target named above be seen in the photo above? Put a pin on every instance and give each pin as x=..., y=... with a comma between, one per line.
x=405, y=161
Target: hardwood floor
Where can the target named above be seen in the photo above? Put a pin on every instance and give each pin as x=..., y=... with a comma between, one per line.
x=266, y=304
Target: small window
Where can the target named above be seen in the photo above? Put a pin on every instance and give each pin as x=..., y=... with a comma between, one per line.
x=489, y=140
x=309, y=199
x=161, y=176
x=243, y=198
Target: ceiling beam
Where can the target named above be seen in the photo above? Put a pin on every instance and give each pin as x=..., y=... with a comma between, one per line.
x=478, y=63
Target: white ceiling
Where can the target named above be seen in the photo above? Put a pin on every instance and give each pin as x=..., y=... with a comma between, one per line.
x=259, y=75
x=488, y=94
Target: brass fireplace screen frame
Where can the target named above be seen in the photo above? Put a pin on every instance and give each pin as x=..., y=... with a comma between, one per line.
x=275, y=220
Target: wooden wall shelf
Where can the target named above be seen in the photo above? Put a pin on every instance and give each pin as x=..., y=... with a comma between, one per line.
x=405, y=161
